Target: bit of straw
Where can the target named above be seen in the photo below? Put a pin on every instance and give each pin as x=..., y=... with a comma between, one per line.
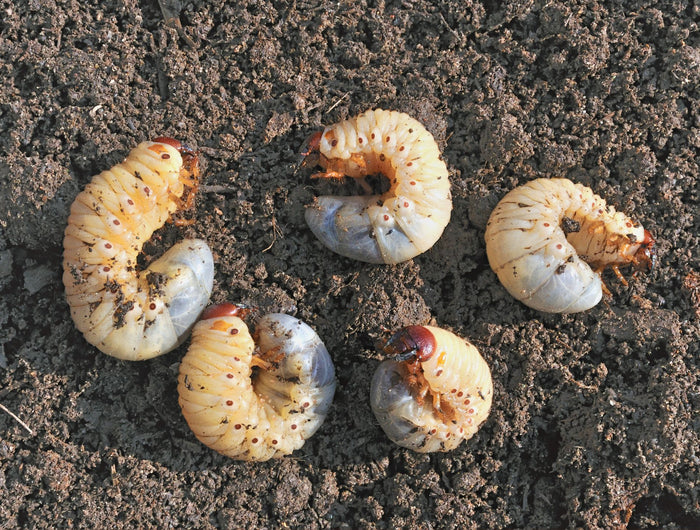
x=16, y=418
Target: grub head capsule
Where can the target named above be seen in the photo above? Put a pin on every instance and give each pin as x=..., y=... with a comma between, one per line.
x=172, y=142
x=226, y=310
x=411, y=341
x=645, y=257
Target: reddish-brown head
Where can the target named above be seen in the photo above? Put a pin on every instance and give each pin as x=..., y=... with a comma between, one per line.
x=172, y=142
x=645, y=257
x=311, y=144
x=226, y=310
x=177, y=144
x=309, y=154
x=411, y=341
x=190, y=157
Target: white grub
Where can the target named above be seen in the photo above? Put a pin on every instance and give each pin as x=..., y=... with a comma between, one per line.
x=399, y=224
x=549, y=240
x=125, y=313
x=254, y=397
x=434, y=393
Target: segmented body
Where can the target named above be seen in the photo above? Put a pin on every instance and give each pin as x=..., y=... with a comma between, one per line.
x=397, y=225
x=125, y=313
x=549, y=239
x=255, y=398
x=437, y=394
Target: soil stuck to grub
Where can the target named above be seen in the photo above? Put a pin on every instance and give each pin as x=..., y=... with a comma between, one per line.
x=594, y=422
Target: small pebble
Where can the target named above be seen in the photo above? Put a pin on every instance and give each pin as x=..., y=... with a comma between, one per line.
x=38, y=277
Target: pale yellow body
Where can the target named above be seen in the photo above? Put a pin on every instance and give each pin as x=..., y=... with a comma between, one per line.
x=122, y=312
x=255, y=416
x=460, y=376
x=540, y=261
x=406, y=220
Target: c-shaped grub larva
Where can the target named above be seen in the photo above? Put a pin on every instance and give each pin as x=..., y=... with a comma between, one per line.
x=125, y=313
x=404, y=221
x=434, y=393
x=254, y=397
x=549, y=240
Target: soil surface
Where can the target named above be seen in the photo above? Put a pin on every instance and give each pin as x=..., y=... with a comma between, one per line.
x=595, y=418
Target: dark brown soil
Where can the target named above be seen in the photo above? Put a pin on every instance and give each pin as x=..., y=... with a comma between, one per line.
x=595, y=419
